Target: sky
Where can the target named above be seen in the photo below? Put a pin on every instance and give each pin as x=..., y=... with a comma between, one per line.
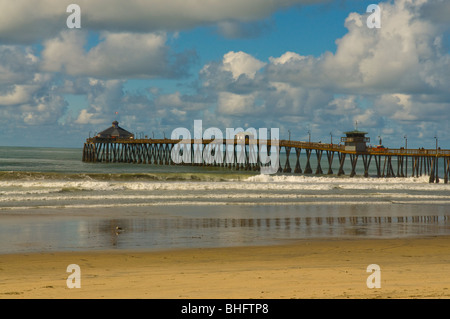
x=298, y=65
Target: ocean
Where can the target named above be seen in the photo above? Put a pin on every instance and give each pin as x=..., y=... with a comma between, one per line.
x=52, y=201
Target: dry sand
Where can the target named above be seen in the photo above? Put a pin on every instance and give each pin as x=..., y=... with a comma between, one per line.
x=410, y=268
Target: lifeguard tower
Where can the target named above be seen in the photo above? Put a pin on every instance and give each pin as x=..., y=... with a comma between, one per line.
x=355, y=141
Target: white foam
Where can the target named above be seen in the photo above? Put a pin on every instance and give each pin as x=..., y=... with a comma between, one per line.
x=208, y=196
x=221, y=203
x=254, y=183
x=192, y=203
x=346, y=180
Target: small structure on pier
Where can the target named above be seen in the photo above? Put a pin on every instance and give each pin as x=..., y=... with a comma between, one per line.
x=244, y=136
x=115, y=131
x=355, y=141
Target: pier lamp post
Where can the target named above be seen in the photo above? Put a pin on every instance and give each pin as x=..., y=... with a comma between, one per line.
x=436, y=169
x=436, y=143
x=309, y=136
x=289, y=131
x=331, y=137
x=406, y=150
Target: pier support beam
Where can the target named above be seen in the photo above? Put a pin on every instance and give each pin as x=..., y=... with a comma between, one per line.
x=366, y=162
x=389, y=169
x=353, y=161
x=330, y=155
x=341, y=164
x=319, y=167
x=431, y=179
x=287, y=165
x=436, y=169
x=298, y=168
x=446, y=169
x=400, y=166
x=308, y=169
x=378, y=164
x=406, y=166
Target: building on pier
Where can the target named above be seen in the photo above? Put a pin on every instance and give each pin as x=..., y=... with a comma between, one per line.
x=115, y=131
x=355, y=141
x=245, y=137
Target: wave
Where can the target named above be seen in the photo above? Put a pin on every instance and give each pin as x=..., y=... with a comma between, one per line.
x=335, y=179
x=189, y=203
x=55, y=176
x=218, y=176
x=42, y=187
x=42, y=183
x=392, y=197
x=221, y=203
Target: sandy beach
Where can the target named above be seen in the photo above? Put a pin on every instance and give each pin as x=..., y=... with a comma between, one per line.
x=410, y=268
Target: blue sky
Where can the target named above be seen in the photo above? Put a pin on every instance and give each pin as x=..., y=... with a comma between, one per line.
x=296, y=65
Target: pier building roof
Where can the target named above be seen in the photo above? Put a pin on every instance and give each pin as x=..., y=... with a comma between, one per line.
x=115, y=131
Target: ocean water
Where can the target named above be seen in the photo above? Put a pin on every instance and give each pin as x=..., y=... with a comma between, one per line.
x=51, y=201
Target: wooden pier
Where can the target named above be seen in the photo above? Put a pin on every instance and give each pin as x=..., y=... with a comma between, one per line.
x=245, y=155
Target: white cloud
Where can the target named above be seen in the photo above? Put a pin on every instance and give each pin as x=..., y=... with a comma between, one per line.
x=343, y=105
x=20, y=94
x=178, y=101
x=286, y=57
x=18, y=65
x=104, y=97
x=88, y=118
x=404, y=56
x=42, y=110
x=118, y=55
x=27, y=96
x=235, y=104
x=239, y=63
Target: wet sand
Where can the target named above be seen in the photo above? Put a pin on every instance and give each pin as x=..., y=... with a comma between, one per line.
x=313, y=268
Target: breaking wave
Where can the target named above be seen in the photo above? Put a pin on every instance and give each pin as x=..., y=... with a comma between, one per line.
x=39, y=176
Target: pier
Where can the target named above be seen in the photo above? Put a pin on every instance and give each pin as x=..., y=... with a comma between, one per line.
x=244, y=154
